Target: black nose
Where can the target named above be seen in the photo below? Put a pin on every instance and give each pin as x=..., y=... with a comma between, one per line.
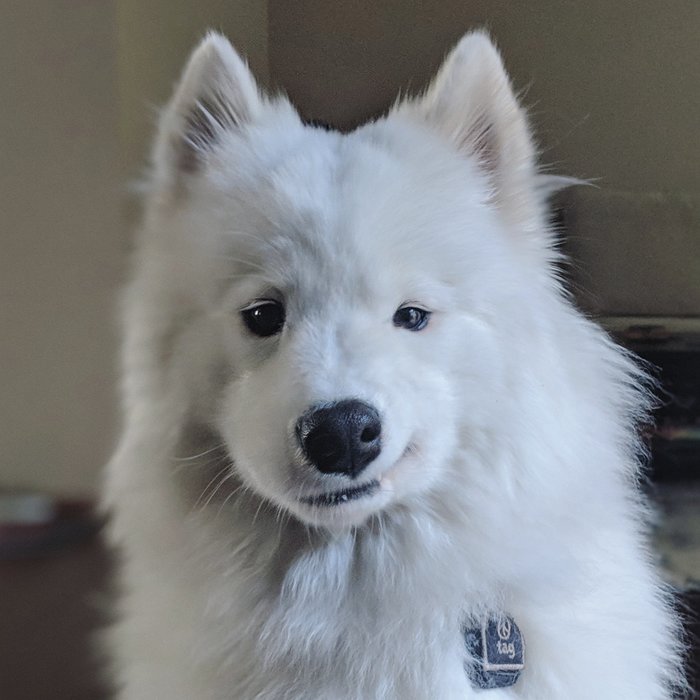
x=341, y=438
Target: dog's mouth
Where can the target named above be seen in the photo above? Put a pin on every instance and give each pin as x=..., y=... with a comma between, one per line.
x=337, y=498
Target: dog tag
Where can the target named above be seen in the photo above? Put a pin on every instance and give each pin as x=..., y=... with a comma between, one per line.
x=497, y=653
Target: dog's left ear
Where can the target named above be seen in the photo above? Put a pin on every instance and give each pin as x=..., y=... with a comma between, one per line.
x=471, y=102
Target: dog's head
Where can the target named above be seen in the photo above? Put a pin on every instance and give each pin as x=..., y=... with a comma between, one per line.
x=343, y=301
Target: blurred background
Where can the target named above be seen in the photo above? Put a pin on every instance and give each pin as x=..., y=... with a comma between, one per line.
x=613, y=90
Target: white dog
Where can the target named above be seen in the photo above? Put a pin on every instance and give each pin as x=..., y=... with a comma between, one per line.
x=370, y=447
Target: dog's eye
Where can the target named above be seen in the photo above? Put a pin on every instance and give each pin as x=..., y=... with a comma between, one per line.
x=264, y=318
x=411, y=318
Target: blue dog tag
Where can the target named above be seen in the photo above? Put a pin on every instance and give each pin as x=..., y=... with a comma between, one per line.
x=497, y=652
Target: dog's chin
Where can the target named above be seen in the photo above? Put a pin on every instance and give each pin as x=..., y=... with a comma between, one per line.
x=342, y=508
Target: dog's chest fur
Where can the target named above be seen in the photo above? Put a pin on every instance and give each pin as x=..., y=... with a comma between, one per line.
x=356, y=615
x=278, y=612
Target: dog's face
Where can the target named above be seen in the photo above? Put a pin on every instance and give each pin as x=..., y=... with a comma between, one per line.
x=353, y=285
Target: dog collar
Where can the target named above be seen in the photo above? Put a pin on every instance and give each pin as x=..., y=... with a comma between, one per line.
x=496, y=653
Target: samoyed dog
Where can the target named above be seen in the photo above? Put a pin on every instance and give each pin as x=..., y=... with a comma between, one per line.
x=371, y=450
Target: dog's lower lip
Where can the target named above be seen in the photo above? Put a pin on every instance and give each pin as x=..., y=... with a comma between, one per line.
x=335, y=498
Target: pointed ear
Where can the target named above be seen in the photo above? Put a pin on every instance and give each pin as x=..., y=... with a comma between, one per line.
x=472, y=103
x=216, y=94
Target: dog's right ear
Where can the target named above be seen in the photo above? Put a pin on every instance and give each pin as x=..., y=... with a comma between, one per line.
x=216, y=94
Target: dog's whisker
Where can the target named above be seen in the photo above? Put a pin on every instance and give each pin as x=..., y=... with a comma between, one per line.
x=215, y=447
x=257, y=512
x=210, y=483
x=210, y=498
x=241, y=489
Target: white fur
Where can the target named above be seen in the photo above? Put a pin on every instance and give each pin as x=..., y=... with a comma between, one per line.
x=518, y=490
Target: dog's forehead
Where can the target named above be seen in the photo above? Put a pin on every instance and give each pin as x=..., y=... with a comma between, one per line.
x=353, y=215
x=313, y=207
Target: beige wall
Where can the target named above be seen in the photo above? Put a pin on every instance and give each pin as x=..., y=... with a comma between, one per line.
x=61, y=241
x=613, y=85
